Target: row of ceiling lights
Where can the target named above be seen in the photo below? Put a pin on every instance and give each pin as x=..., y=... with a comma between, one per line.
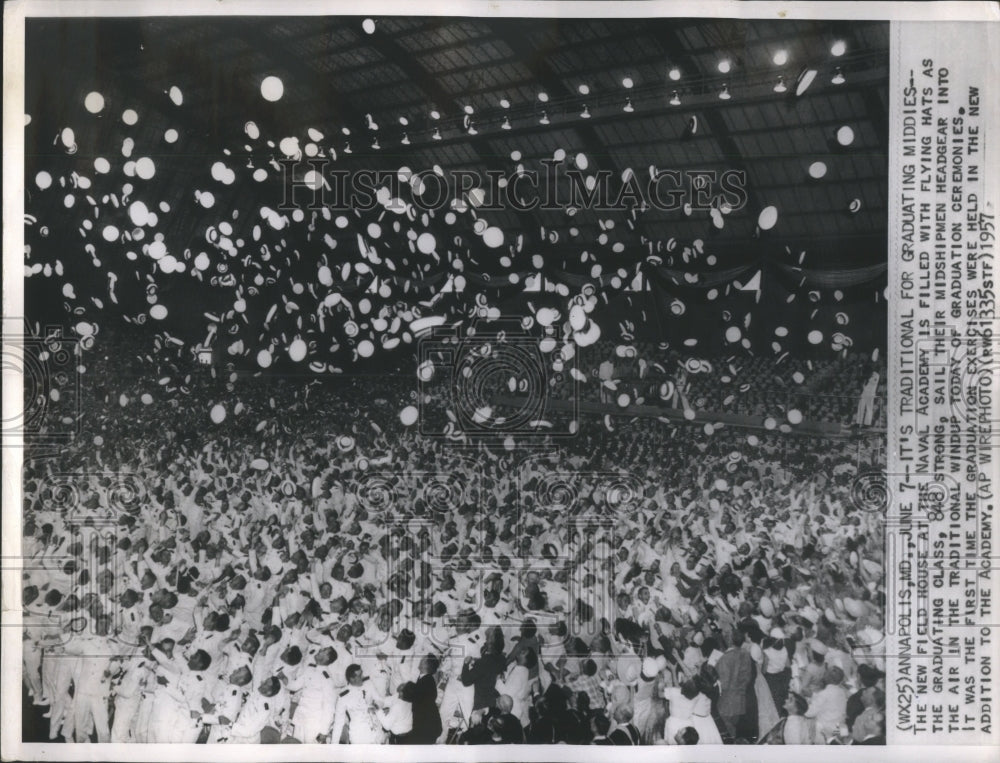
x=724, y=66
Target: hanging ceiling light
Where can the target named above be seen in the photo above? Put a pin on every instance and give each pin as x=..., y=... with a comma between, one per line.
x=406, y=139
x=585, y=114
x=544, y=120
x=347, y=149
x=437, y=133
x=505, y=125
x=375, y=144
x=675, y=99
x=724, y=93
x=628, y=108
x=838, y=77
x=781, y=87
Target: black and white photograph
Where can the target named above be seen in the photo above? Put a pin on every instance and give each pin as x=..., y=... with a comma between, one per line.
x=453, y=380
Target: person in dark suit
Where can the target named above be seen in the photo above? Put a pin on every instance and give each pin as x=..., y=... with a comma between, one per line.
x=736, y=675
x=625, y=732
x=426, y=718
x=481, y=673
x=497, y=726
x=869, y=677
x=600, y=724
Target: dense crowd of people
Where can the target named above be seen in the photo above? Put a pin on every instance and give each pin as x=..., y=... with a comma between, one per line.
x=824, y=390
x=308, y=569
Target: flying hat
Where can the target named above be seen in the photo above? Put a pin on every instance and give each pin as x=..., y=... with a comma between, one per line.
x=650, y=667
x=818, y=646
x=854, y=607
x=628, y=670
x=810, y=613
x=767, y=607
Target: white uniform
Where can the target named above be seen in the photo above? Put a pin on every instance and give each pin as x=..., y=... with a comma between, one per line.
x=317, y=703
x=259, y=712
x=128, y=697
x=228, y=700
x=458, y=696
x=91, y=682
x=356, y=711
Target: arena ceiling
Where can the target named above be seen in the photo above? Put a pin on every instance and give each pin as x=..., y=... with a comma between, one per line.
x=490, y=95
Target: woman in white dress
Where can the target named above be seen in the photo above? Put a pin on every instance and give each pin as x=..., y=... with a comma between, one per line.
x=689, y=707
x=516, y=684
x=767, y=711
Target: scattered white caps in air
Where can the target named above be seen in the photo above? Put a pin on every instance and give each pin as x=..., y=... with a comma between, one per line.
x=271, y=88
x=845, y=136
x=408, y=416
x=365, y=348
x=259, y=464
x=426, y=243
x=794, y=416
x=264, y=358
x=733, y=334
x=102, y=165
x=493, y=237
x=94, y=102
x=817, y=170
x=297, y=350
x=218, y=413
x=781, y=331
x=752, y=440
x=130, y=116
x=145, y=168
x=425, y=371
x=368, y=25
x=110, y=233
x=770, y=423
x=158, y=312
x=176, y=95
x=767, y=218
x=43, y=180
x=171, y=135
x=815, y=336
